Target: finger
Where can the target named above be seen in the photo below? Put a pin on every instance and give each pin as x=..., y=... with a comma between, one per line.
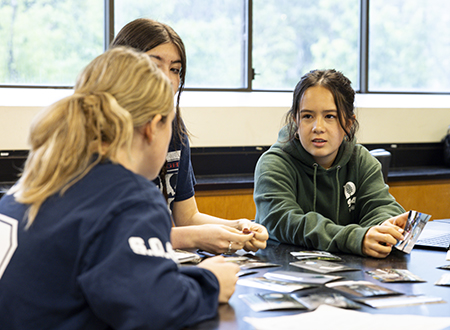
x=258, y=243
x=378, y=251
x=389, y=224
x=388, y=241
x=247, y=231
x=256, y=227
x=237, y=245
x=262, y=235
x=401, y=219
x=250, y=247
x=389, y=237
x=399, y=224
x=247, y=224
x=239, y=237
x=388, y=233
x=232, y=230
x=232, y=247
x=396, y=233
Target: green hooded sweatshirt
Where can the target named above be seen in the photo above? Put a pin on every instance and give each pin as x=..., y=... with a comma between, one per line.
x=301, y=203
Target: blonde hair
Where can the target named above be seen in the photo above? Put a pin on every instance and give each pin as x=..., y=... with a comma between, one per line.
x=117, y=92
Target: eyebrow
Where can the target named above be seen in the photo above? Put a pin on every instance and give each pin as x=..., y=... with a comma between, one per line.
x=327, y=111
x=159, y=58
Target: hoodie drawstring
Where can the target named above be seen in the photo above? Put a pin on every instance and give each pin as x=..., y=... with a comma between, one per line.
x=338, y=192
x=315, y=186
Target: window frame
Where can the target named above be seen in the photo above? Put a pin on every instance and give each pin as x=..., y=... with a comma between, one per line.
x=249, y=72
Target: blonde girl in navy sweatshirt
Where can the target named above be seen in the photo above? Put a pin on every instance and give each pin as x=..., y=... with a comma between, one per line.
x=315, y=187
x=88, y=232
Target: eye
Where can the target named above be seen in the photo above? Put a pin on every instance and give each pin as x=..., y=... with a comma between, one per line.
x=305, y=116
x=176, y=70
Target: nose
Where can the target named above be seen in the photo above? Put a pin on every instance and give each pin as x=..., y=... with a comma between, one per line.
x=318, y=126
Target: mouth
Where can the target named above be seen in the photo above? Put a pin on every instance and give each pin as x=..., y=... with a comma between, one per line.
x=319, y=142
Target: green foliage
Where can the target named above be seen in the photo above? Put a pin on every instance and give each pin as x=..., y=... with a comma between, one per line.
x=291, y=38
x=48, y=42
x=410, y=46
x=212, y=31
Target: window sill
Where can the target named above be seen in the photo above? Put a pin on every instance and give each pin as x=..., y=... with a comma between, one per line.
x=39, y=97
x=284, y=99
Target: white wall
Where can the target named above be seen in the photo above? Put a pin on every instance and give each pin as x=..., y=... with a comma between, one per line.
x=253, y=119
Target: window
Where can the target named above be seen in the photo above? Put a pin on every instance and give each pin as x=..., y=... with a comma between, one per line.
x=409, y=46
x=291, y=38
x=48, y=42
x=241, y=45
x=213, y=31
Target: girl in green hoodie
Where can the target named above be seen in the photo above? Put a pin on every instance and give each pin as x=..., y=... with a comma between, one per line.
x=316, y=187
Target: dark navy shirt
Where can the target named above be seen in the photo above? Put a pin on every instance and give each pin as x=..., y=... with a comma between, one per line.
x=98, y=257
x=180, y=179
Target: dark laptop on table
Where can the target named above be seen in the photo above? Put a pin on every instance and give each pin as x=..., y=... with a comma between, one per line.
x=435, y=235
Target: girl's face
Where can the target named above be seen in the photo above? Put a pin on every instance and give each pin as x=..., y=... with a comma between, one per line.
x=318, y=125
x=168, y=59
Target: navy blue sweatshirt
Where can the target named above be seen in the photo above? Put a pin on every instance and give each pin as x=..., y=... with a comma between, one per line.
x=98, y=257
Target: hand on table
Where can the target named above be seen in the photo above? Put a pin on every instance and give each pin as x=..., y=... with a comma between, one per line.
x=225, y=273
x=259, y=240
x=221, y=238
x=379, y=240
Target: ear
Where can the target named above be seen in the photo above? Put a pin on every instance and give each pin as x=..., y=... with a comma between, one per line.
x=151, y=128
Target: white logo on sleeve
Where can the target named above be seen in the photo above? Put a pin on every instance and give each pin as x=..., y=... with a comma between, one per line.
x=156, y=248
x=349, y=191
x=8, y=241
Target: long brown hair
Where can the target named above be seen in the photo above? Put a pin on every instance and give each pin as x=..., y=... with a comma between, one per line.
x=145, y=34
